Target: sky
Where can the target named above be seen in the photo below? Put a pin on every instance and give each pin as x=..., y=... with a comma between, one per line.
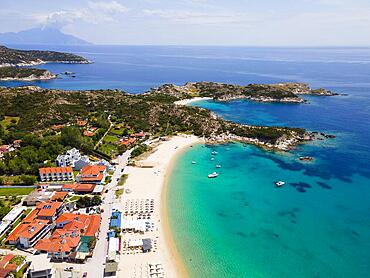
x=197, y=22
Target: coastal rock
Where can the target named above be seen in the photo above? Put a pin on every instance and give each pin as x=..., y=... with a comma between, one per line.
x=282, y=92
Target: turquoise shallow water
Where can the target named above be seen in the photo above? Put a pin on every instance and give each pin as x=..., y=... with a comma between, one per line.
x=240, y=225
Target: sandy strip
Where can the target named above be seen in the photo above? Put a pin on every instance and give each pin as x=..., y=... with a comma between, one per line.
x=150, y=183
x=190, y=100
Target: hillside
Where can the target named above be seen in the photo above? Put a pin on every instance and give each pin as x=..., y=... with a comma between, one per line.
x=284, y=92
x=14, y=57
x=39, y=109
x=39, y=36
x=25, y=74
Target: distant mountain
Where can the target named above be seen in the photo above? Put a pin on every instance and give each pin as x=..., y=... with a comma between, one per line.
x=50, y=36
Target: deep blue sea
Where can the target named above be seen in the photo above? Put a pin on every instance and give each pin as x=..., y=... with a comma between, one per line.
x=240, y=225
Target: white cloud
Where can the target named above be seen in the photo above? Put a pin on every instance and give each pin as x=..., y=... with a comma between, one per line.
x=195, y=17
x=108, y=7
x=95, y=13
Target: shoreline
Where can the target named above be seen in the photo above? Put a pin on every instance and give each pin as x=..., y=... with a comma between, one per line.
x=190, y=100
x=149, y=180
x=168, y=233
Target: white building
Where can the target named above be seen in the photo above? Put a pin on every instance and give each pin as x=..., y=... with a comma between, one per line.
x=56, y=174
x=69, y=158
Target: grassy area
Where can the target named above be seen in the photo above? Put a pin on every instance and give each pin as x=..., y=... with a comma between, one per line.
x=123, y=179
x=109, y=138
x=119, y=193
x=117, y=130
x=21, y=272
x=108, y=149
x=9, y=121
x=17, y=259
x=15, y=191
x=74, y=198
x=21, y=179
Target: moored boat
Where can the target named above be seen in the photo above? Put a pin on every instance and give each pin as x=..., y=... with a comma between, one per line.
x=279, y=183
x=213, y=175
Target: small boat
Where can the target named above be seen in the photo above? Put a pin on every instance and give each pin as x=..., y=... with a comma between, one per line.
x=193, y=162
x=218, y=166
x=213, y=175
x=279, y=183
x=305, y=158
x=214, y=153
x=212, y=158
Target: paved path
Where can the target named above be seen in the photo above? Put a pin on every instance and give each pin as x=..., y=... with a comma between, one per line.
x=95, y=265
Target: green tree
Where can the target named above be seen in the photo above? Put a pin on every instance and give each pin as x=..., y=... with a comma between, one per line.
x=26, y=179
x=71, y=137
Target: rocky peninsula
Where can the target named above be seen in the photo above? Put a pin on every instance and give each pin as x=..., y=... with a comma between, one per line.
x=282, y=92
x=14, y=63
x=24, y=74
x=153, y=113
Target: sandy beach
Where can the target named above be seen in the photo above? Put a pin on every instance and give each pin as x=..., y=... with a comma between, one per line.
x=149, y=182
x=190, y=100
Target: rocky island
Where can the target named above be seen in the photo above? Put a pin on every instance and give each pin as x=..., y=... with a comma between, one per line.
x=282, y=92
x=13, y=63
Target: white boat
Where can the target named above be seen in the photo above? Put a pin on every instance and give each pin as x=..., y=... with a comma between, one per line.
x=193, y=162
x=218, y=166
x=213, y=175
x=212, y=158
x=279, y=183
x=214, y=153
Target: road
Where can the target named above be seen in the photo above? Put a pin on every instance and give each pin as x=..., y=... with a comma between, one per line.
x=95, y=265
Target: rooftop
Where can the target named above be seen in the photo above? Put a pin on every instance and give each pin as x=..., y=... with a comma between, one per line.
x=59, y=170
x=27, y=230
x=47, y=209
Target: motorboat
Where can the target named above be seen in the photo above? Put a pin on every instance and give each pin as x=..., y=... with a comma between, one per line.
x=193, y=162
x=218, y=166
x=279, y=183
x=214, y=153
x=213, y=175
x=212, y=158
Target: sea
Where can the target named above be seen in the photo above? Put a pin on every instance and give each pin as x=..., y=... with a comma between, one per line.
x=240, y=224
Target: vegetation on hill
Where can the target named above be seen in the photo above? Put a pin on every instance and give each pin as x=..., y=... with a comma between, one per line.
x=25, y=73
x=9, y=56
x=38, y=110
x=285, y=92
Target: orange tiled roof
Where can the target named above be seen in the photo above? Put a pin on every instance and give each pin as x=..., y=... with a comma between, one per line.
x=5, y=260
x=11, y=267
x=69, y=186
x=81, y=123
x=51, y=170
x=67, y=238
x=59, y=196
x=127, y=141
x=4, y=272
x=92, y=170
x=60, y=241
x=57, y=127
x=47, y=209
x=92, y=179
x=31, y=216
x=84, y=187
x=88, y=133
x=27, y=230
x=93, y=228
